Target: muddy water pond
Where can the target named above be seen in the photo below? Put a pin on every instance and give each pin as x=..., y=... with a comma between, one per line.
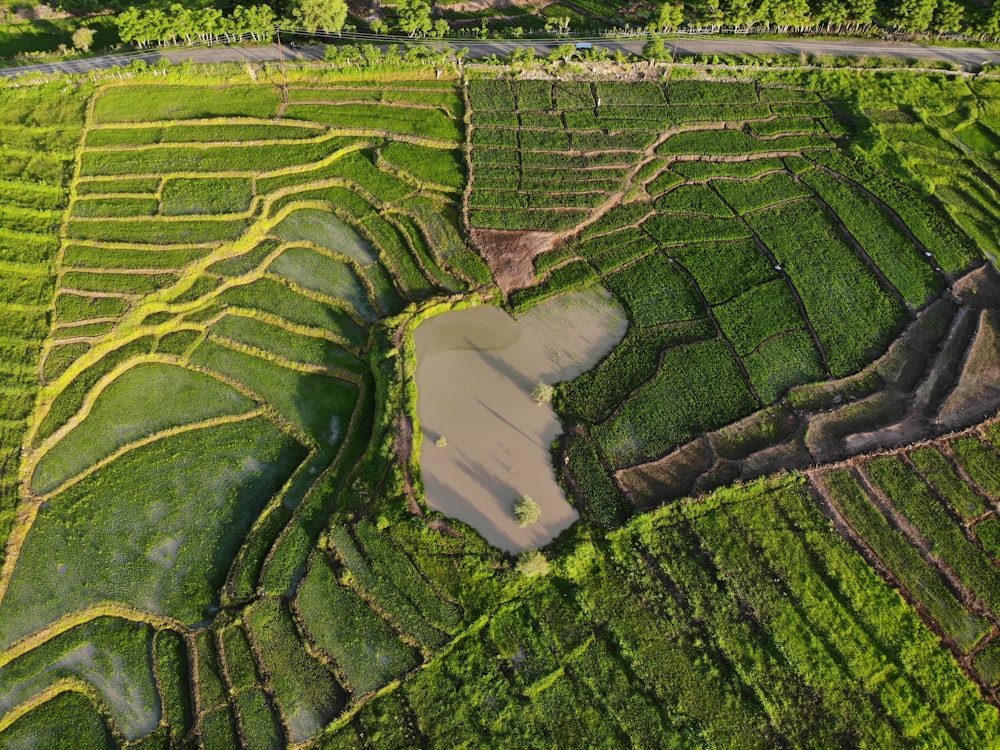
x=485, y=439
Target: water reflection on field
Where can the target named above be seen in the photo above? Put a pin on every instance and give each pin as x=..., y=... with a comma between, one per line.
x=475, y=371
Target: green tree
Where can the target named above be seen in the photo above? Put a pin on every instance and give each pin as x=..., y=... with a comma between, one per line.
x=862, y=12
x=532, y=563
x=83, y=38
x=788, y=14
x=656, y=50
x=563, y=52
x=948, y=17
x=543, y=392
x=414, y=17
x=671, y=16
x=833, y=13
x=915, y=15
x=328, y=15
x=527, y=511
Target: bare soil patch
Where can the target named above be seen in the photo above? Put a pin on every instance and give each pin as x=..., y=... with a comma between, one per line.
x=511, y=255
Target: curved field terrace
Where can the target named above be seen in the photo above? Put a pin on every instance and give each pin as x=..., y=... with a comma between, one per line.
x=257, y=489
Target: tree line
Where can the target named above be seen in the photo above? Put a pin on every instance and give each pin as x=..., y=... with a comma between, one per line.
x=179, y=24
x=836, y=16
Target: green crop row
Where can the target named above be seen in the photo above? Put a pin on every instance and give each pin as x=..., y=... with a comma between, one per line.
x=782, y=362
x=27, y=195
x=343, y=625
x=428, y=259
x=758, y=314
x=939, y=473
x=259, y=727
x=33, y=289
x=950, y=247
x=693, y=199
x=392, y=564
x=740, y=170
x=173, y=675
x=654, y=290
x=219, y=195
x=124, y=283
x=71, y=307
x=491, y=95
x=210, y=682
x=60, y=358
x=122, y=185
x=22, y=247
x=228, y=158
x=424, y=123
x=851, y=314
x=726, y=142
x=336, y=279
x=697, y=387
x=271, y=296
x=597, y=492
x=672, y=230
x=981, y=462
x=884, y=242
x=67, y=720
x=711, y=92
x=28, y=220
x=115, y=207
x=82, y=256
x=630, y=140
x=165, y=232
x=298, y=348
x=915, y=501
x=446, y=98
x=724, y=270
x=241, y=464
x=857, y=607
x=787, y=125
x=398, y=259
x=150, y=103
x=539, y=220
x=431, y=167
x=132, y=408
x=319, y=405
x=534, y=121
x=594, y=394
x=389, y=598
x=753, y=195
x=119, y=651
x=924, y=583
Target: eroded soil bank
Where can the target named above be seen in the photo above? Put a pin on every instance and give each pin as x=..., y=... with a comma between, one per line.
x=475, y=372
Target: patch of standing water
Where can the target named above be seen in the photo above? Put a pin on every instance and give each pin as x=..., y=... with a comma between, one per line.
x=475, y=372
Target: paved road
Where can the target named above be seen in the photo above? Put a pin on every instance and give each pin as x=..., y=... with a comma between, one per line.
x=684, y=46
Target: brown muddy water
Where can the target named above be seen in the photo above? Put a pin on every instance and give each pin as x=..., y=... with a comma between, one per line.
x=475, y=371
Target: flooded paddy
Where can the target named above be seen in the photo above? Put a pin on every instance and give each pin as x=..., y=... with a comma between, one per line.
x=486, y=440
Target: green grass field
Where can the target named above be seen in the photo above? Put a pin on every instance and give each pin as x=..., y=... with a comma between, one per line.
x=210, y=494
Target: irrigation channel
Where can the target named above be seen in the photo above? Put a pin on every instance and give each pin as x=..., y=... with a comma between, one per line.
x=485, y=439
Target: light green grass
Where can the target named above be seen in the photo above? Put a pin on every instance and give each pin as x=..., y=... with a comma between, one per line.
x=143, y=400
x=157, y=528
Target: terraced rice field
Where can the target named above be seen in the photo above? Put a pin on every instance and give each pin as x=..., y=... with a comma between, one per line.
x=219, y=535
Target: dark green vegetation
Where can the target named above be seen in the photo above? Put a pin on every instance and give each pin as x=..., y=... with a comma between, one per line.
x=752, y=254
x=924, y=517
x=223, y=541
x=718, y=619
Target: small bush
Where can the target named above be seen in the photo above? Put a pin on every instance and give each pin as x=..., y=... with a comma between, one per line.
x=542, y=393
x=532, y=563
x=527, y=511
